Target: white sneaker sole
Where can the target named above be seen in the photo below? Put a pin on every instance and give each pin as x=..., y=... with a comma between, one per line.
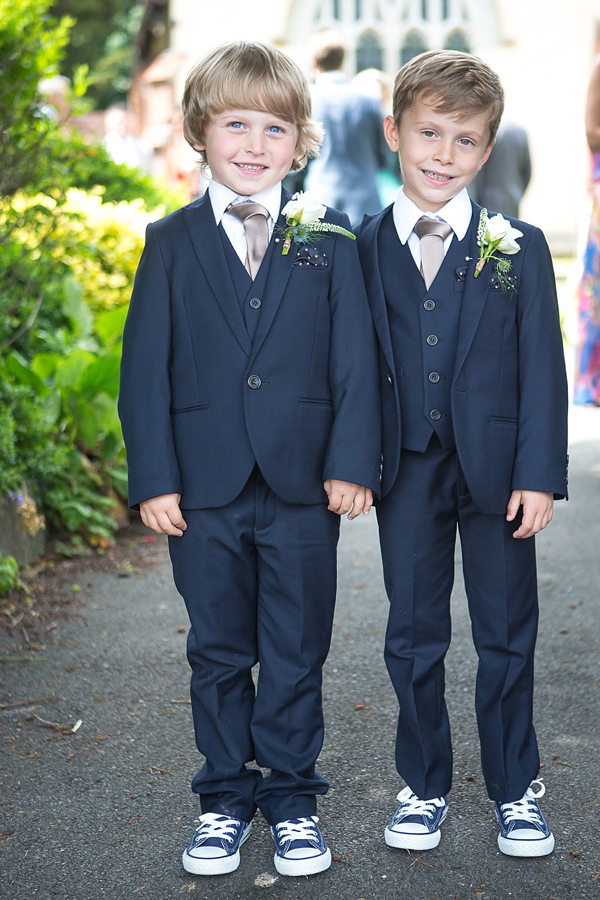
x=219, y=865
x=406, y=841
x=511, y=847
x=308, y=866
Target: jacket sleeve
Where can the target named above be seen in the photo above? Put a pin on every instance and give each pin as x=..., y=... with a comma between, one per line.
x=145, y=392
x=541, y=457
x=354, y=448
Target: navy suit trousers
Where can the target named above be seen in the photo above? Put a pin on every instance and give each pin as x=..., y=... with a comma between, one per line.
x=418, y=521
x=258, y=577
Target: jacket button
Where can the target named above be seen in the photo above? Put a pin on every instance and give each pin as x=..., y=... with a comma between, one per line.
x=255, y=303
x=429, y=304
x=432, y=340
x=435, y=414
x=390, y=380
x=434, y=377
x=254, y=382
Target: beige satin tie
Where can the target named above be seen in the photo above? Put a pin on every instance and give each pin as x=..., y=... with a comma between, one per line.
x=254, y=219
x=431, y=235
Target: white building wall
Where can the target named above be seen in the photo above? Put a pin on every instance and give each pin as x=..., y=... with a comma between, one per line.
x=542, y=51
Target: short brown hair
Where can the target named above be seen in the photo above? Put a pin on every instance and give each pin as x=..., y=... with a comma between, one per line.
x=328, y=50
x=248, y=75
x=454, y=82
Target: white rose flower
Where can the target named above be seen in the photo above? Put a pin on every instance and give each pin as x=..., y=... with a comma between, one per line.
x=304, y=208
x=499, y=228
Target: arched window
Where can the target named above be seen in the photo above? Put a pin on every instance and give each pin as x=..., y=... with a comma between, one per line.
x=384, y=33
x=456, y=40
x=414, y=43
x=369, y=54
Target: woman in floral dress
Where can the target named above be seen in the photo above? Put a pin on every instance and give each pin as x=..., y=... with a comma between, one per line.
x=587, y=365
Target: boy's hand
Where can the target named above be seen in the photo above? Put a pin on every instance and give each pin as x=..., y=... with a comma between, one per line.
x=346, y=497
x=162, y=514
x=537, y=511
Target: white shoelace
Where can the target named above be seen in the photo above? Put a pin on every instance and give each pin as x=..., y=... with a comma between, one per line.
x=301, y=830
x=412, y=806
x=526, y=809
x=213, y=825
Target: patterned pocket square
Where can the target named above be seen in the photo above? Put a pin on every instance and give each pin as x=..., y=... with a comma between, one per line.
x=511, y=286
x=308, y=256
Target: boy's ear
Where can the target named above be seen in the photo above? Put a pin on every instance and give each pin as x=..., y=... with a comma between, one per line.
x=485, y=156
x=391, y=133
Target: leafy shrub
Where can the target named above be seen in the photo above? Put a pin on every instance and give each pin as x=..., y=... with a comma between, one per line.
x=67, y=260
x=9, y=574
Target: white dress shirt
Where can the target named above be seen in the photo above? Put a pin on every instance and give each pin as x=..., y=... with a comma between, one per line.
x=457, y=213
x=220, y=198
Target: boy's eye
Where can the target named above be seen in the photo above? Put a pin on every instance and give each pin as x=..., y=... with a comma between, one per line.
x=235, y=125
x=276, y=129
x=467, y=142
x=428, y=133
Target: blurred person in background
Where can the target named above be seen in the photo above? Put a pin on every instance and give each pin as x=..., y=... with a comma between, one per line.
x=344, y=175
x=183, y=174
x=55, y=98
x=587, y=363
x=500, y=185
x=376, y=84
x=122, y=146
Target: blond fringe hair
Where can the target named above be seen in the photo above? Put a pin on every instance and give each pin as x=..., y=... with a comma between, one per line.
x=249, y=75
x=453, y=82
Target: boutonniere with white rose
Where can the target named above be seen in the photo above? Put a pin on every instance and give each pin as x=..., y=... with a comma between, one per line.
x=497, y=234
x=303, y=215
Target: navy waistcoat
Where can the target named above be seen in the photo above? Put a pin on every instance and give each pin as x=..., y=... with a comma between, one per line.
x=424, y=331
x=250, y=293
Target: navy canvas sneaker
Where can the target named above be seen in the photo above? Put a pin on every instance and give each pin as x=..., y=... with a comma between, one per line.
x=416, y=823
x=300, y=846
x=523, y=829
x=215, y=847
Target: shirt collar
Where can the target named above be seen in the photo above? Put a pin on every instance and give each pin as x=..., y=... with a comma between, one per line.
x=457, y=213
x=221, y=196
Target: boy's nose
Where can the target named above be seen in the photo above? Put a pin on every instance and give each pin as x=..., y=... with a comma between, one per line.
x=255, y=142
x=444, y=152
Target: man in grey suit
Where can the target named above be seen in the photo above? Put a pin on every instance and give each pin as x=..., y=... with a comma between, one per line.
x=354, y=149
x=501, y=183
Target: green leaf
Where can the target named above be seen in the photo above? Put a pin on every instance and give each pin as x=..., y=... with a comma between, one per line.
x=86, y=423
x=71, y=369
x=109, y=325
x=101, y=375
x=15, y=366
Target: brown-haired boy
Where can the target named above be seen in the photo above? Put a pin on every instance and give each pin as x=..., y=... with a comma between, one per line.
x=474, y=407
x=247, y=389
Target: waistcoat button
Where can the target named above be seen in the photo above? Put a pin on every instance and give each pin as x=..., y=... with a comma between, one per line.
x=255, y=303
x=434, y=378
x=432, y=340
x=254, y=382
x=429, y=304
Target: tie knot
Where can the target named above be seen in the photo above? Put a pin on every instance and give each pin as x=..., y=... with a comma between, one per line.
x=429, y=226
x=243, y=211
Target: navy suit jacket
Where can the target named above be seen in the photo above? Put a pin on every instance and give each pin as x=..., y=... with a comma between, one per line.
x=509, y=388
x=200, y=403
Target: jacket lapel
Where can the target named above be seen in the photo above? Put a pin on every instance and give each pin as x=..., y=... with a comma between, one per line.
x=475, y=294
x=368, y=246
x=278, y=275
x=200, y=223
x=280, y=270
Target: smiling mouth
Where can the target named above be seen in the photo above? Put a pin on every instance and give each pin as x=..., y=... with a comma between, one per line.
x=436, y=177
x=247, y=167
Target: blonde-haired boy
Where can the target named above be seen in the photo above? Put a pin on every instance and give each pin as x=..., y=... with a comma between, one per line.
x=474, y=438
x=247, y=389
